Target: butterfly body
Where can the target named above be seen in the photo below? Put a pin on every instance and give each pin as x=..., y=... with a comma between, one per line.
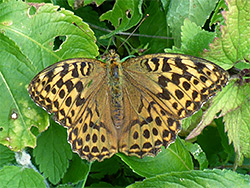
x=134, y=107
x=114, y=74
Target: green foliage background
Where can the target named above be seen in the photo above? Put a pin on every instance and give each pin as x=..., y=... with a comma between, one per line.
x=34, y=151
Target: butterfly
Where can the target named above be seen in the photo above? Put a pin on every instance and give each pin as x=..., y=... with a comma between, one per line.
x=134, y=107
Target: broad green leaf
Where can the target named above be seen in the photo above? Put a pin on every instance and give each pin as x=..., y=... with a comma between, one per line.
x=196, y=178
x=124, y=15
x=155, y=25
x=197, y=11
x=53, y=153
x=13, y=176
x=78, y=170
x=174, y=158
x=35, y=34
x=237, y=124
x=17, y=111
x=6, y=155
x=234, y=43
x=198, y=154
x=194, y=39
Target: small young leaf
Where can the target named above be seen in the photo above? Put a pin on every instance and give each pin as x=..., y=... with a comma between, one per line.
x=198, y=154
x=197, y=11
x=194, y=39
x=53, y=153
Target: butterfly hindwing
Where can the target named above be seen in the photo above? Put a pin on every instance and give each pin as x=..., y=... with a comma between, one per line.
x=147, y=125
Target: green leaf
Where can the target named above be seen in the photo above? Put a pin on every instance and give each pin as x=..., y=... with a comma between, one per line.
x=198, y=154
x=53, y=153
x=196, y=178
x=17, y=112
x=234, y=43
x=237, y=125
x=13, y=176
x=194, y=39
x=78, y=170
x=123, y=16
x=97, y=2
x=227, y=148
x=6, y=155
x=197, y=11
x=155, y=25
x=99, y=170
x=35, y=34
x=191, y=122
x=174, y=158
x=217, y=16
x=210, y=142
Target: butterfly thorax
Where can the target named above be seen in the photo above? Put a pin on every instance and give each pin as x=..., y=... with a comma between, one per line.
x=114, y=72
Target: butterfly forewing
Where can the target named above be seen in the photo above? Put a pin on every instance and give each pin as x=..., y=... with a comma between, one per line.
x=180, y=83
x=134, y=107
x=75, y=92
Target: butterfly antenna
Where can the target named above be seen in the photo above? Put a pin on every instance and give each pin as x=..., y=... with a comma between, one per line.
x=89, y=36
x=147, y=15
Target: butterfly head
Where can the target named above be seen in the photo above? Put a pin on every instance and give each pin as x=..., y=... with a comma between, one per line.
x=112, y=57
